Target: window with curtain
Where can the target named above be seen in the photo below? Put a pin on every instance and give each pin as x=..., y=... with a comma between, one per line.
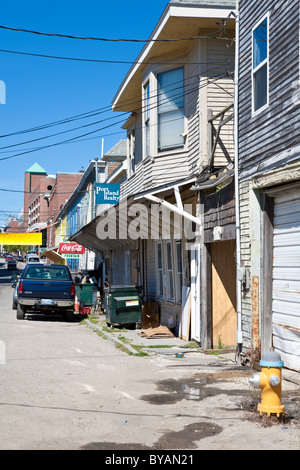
x=170, y=109
x=260, y=65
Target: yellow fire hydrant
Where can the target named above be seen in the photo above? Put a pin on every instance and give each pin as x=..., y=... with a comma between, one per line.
x=269, y=381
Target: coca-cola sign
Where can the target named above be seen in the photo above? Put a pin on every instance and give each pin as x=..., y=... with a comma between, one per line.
x=71, y=248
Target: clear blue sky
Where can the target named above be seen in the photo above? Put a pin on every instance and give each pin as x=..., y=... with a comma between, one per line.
x=40, y=90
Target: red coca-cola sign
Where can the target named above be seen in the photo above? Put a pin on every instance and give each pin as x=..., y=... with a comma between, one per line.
x=71, y=248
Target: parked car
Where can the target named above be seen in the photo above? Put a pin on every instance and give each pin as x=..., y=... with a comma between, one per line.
x=45, y=288
x=15, y=285
x=32, y=258
x=11, y=263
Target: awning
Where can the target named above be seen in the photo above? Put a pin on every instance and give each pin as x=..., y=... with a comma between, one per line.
x=53, y=255
x=123, y=213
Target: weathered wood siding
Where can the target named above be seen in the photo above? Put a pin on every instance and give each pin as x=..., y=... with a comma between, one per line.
x=208, y=84
x=220, y=91
x=276, y=128
x=219, y=210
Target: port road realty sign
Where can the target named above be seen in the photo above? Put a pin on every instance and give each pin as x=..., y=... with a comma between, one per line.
x=107, y=193
x=71, y=250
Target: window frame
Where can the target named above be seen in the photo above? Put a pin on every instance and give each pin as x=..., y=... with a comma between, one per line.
x=131, y=152
x=160, y=271
x=147, y=118
x=176, y=147
x=259, y=67
x=170, y=271
x=179, y=272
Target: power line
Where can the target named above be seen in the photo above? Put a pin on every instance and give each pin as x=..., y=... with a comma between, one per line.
x=90, y=38
x=101, y=61
x=111, y=125
x=59, y=143
x=88, y=115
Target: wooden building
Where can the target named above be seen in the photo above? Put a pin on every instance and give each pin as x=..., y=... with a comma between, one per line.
x=269, y=176
x=179, y=97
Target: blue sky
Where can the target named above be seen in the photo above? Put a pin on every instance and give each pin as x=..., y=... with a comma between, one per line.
x=42, y=90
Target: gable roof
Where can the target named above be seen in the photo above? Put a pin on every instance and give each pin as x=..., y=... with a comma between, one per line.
x=180, y=19
x=36, y=168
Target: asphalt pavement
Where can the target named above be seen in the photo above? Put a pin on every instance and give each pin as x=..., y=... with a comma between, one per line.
x=81, y=386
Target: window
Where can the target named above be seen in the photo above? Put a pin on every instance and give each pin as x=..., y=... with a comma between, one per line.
x=170, y=109
x=56, y=273
x=160, y=280
x=147, y=119
x=260, y=65
x=170, y=270
x=131, y=153
x=179, y=270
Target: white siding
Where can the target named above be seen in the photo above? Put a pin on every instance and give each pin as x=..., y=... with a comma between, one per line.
x=286, y=279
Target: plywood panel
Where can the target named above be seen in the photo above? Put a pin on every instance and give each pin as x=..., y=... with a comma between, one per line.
x=223, y=293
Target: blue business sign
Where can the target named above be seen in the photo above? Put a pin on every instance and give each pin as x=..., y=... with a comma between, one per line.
x=107, y=193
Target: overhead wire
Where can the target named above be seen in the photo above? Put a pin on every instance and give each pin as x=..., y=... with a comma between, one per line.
x=90, y=114
x=89, y=133
x=98, y=130
x=103, y=109
x=133, y=40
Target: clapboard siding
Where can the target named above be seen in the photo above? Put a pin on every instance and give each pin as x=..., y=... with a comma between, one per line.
x=275, y=128
x=220, y=91
x=208, y=66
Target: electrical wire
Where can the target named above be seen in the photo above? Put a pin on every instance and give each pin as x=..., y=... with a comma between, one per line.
x=90, y=38
x=89, y=133
x=101, y=61
x=104, y=109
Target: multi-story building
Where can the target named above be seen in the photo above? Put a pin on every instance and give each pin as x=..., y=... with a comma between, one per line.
x=81, y=208
x=44, y=195
x=63, y=187
x=173, y=231
x=269, y=177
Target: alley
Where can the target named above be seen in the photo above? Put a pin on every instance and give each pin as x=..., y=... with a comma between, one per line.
x=65, y=387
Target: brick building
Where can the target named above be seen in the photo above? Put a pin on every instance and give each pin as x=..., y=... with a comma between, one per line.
x=63, y=188
x=44, y=195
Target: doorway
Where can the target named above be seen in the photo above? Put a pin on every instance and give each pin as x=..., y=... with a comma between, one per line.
x=224, y=317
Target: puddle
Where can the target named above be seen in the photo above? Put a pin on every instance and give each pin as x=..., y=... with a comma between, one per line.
x=196, y=388
x=183, y=439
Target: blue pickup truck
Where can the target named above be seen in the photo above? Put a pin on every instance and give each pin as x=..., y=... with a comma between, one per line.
x=45, y=289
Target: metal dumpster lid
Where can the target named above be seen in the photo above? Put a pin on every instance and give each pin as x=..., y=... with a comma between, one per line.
x=122, y=287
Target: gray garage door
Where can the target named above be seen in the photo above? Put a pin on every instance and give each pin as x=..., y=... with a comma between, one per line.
x=286, y=278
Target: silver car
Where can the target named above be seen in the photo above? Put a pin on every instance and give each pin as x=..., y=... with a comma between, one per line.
x=15, y=295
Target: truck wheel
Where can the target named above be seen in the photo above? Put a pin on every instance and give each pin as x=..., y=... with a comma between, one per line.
x=20, y=312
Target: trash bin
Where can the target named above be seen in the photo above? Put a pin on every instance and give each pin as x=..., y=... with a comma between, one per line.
x=123, y=305
x=84, y=293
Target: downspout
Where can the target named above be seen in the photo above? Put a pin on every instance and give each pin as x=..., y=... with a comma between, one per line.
x=239, y=334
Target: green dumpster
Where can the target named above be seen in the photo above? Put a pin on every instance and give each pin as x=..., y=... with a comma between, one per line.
x=84, y=293
x=123, y=305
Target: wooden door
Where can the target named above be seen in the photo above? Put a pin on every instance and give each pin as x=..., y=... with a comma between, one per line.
x=224, y=318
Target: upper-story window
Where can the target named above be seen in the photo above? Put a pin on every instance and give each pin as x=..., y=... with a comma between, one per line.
x=131, y=153
x=147, y=118
x=260, y=65
x=170, y=109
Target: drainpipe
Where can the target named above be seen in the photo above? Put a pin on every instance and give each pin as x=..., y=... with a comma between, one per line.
x=239, y=334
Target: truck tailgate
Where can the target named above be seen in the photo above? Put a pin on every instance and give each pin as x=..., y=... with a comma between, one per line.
x=43, y=289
